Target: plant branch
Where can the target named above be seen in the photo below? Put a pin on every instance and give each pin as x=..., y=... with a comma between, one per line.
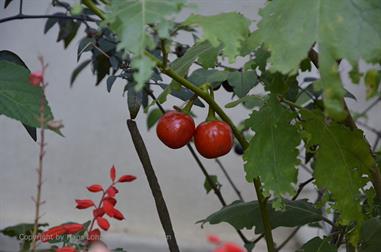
x=231, y=182
x=22, y=16
x=301, y=187
x=161, y=206
x=90, y=4
x=284, y=243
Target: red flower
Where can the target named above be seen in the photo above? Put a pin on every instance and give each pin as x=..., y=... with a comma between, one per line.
x=214, y=239
x=66, y=249
x=94, y=235
x=111, y=200
x=95, y=188
x=83, y=204
x=73, y=228
x=35, y=78
x=126, y=178
x=98, y=212
x=113, y=173
x=52, y=233
x=229, y=247
x=108, y=208
x=103, y=223
x=112, y=191
x=117, y=214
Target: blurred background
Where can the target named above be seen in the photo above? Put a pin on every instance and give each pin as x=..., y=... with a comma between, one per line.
x=96, y=137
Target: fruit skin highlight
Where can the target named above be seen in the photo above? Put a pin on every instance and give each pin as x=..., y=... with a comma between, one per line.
x=213, y=139
x=175, y=129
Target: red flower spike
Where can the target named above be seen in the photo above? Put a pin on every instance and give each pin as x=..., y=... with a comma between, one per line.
x=66, y=249
x=111, y=200
x=73, y=228
x=94, y=235
x=117, y=214
x=113, y=173
x=103, y=223
x=108, y=208
x=83, y=204
x=52, y=233
x=36, y=78
x=214, y=239
x=98, y=212
x=112, y=191
x=95, y=188
x=126, y=178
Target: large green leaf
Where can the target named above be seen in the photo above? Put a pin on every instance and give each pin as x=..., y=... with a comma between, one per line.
x=242, y=82
x=342, y=29
x=272, y=152
x=247, y=215
x=129, y=20
x=18, y=98
x=342, y=162
x=318, y=245
x=370, y=235
x=229, y=29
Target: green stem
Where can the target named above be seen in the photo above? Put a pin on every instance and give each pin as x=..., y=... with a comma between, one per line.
x=90, y=4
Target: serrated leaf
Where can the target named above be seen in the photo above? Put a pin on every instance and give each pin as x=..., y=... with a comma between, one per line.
x=370, y=235
x=208, y=187
x=242, y=82
x=247, y=215
x=153, y=116
x=77, y=70
x=229, y=29
x=342, y=161
x=18, y=98
x=272, y=152
x=202, y=76
x=129, y=20
x=318, y=245
x=327, y=24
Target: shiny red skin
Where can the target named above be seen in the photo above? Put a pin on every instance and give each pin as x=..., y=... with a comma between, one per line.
x=175, y=129
x=213, y=139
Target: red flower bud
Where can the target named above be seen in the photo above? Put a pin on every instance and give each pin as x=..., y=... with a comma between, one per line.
x=95, y=188
x=112, y=191
x=52, y=233
x=214, y=239
x=117, y=214
x=108, y=207
x=126, y=178
x=98, y=212
x=232, y=247
x=35, y=78
x=66, y=249
x=111, y=200
x=103, y=223
x=73, y=228
x=94, y=235
x=83, y=204
x=113, y=173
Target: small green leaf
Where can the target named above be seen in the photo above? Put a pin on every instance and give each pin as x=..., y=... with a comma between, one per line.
x=153, y=116
x=202, y=76
x=110, y=82
x=86, y=44
x=229, y=29
x=242, y=81
x=318, y=245
x=208, y=187
x=247, y=215
x=272, y=152
x=21, y=229
x=77, y=70
x=249, y=101
x=372, y=82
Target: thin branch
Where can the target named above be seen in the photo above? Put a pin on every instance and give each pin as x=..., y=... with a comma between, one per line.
x=161, y=206
x=231, y=182
x=22, y=16
x=374, y=103
x=20, y=7
x=301, y=187
x=284, y=243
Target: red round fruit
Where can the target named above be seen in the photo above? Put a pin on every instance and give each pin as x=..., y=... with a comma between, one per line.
x=213, y=139
x=175, y=129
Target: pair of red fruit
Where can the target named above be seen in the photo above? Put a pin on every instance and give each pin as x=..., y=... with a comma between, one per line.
x=212, y=138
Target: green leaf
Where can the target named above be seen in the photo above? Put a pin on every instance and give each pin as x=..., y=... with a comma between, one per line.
x=318, y=245
x=18, y=98
x=272, y=152
x=209, y=58
x=247, y=215
x=208, y=187
x=202, y=76
x=129, y=19
x=229, y=29
x=342, y=161
x=370, y=235
x=249, y=101
x=372, y=82
x=327, y=24
x=21, y=229
x=153, y=116
x=77, y=70
x=242, y=82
